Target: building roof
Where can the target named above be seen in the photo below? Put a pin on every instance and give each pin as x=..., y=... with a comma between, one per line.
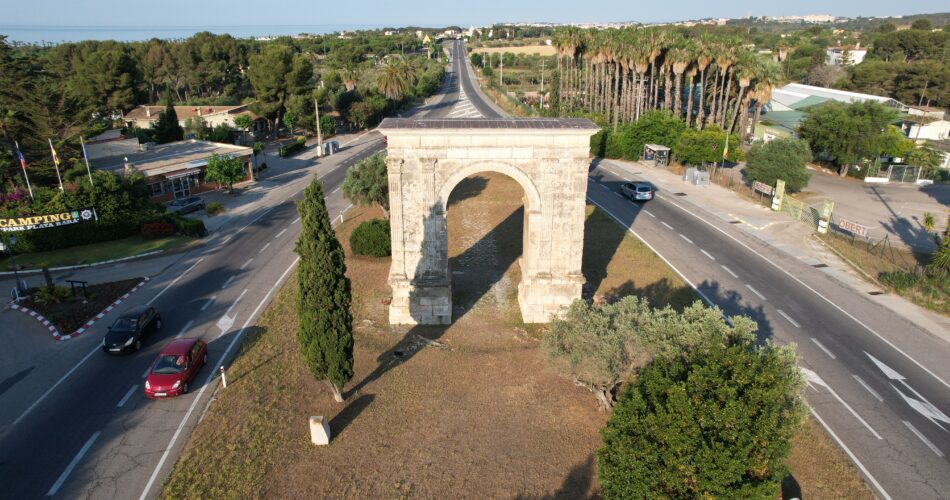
x=171, y=158
x=150, y=112
x=792, y=93
x=515, y=123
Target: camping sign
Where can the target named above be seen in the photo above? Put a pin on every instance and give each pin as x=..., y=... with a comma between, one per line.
x=30, y=222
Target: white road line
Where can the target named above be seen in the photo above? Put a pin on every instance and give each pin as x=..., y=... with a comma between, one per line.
x=335, y=190
x=707, y=254
x=263, y=248
x=648, y=213
x=854, y=459
x=868, y=388
x=734, y=275
x=171, y=444
x=604, y=186
x=296, y=220
x=185, y=328
x=208, y=302
x=247, y=263
x=685, y=238
x=824, y=384
x=667, y=225
x=60, y=381
x=72, y=465
x=923, y=438
x=816, y=292
x=281, y=233
x=759, y=295
x=618, y=194
x=789, y=318
x=159, y=294
x=228, y=282
x=823, y=348
x=127, y=396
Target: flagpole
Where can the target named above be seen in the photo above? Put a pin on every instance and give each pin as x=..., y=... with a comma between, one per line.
x=56, y=165
x=86, y=158
x=23, y=166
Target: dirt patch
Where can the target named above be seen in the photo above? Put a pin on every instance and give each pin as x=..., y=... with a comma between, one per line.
x=74, y=312
x=468, y=410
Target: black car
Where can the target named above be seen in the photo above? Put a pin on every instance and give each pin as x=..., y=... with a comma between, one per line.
x=186, y=205
x=127, y=333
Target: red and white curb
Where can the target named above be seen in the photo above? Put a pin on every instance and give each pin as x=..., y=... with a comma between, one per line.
x=52, y=328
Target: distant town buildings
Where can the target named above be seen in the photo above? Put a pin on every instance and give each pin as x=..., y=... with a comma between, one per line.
x=143, y=116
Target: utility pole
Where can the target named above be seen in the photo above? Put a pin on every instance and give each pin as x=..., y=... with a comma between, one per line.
x=542, y=86
x=501, y=76
x=316, y=110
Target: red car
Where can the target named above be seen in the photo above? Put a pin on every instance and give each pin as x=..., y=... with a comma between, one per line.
x=176, y=366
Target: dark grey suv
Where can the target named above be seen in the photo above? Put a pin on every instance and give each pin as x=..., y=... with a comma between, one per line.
x=186, y=205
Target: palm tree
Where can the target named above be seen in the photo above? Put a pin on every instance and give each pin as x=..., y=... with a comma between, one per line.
x=680, y=57
x=689, y=102
x=746, y=70
x=392, y=80
x=704, y=47
x=723, y=62
x=769, y=77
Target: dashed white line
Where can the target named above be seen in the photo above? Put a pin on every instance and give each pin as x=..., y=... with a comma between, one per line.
x=759, y=295
x=923, y=438
x=822, y=347
x=854, y=459
x=707, y=254
x=667, y=225
x=247, y=263
x=127, y=396
x=649, y=213
x=335, y=190
x=263, y=248
x=72, y=465
x=296, y=220
x=868, y=388
x=281, y=233
x=604, y=186
x=734, y=275
x=185, y=328
x=208, y=302
x=618, y=194
x=685, y=238
x=159, y=294
x=228, y=282
x=789, y=318
x=60, y=381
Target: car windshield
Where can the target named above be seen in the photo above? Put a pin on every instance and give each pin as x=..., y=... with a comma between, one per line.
x=124, y=324
x=169, y=364
x=643, y=189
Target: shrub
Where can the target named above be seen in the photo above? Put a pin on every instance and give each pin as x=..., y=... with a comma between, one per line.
x=185, y=226
x=53, y=295
x=327, y=126
x=262, y=166
x=371, y=238
x=299, y=143
x=214, y=208
x=780, y=159
x=899, y=280
x=155, y=230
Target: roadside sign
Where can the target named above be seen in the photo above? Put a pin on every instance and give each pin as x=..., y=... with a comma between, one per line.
x=48, y=220
x=853, y=227
x=762, y=187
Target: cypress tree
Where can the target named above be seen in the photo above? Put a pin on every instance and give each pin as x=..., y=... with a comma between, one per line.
x=323, y=295
x=166, y=128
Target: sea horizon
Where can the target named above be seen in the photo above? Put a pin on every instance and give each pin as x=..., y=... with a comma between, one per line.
x=55, y=34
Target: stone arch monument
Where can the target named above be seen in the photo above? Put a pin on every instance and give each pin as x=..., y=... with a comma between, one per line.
x=548, y=157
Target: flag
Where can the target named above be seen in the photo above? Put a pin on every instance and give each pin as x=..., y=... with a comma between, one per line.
x=56, y=164
x=85, y=157
x=23, y=166
x=725, y=150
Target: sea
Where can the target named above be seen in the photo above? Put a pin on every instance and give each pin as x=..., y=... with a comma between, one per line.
x=47, y=35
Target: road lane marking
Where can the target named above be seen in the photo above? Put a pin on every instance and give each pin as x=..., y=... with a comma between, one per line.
x=734, y=275
x=756, y=292
x=263, y=248
x=180, y=276
x=72, y=465
x=226, y=321
x=127, y=396
x=335, y=190
x=707, y=254
x=295, y=221
x=868, y=388
x=813, y=378
x=789, y=318
x=197, y=398
x=685, y=238
x=923, y=438
x=667, y=225
x=604, y=186
x=618, y=194
x=208, y=302
x=281, y=233
x=185, y=328
x=228, y=282
x=823, y=348
x=247, y=263
x=854, y=459
x=649, y=213
x=54, y=386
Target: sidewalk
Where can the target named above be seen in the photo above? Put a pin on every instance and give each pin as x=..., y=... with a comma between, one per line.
x=781, y=232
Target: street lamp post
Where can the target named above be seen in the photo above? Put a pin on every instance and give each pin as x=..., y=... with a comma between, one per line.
x=9, y=249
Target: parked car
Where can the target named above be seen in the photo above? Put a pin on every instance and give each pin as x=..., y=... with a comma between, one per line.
x=186, y=205
x=128, y=332
x=637, y=191
x=176, y=366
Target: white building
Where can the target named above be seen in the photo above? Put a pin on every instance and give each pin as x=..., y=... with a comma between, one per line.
x=845, y=56
x=938, y=130
x=796, y=96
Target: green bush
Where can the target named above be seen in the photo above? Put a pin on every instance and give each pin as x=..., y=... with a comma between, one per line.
x=194, y=228
x=780, y=159
x=327, y=126
x=53, y=295
x=299, y=143
x=371, y=238
x=214, y=208
x=899, y=280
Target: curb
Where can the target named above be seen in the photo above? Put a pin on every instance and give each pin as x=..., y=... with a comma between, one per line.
x=52, y=328
x=81, y=266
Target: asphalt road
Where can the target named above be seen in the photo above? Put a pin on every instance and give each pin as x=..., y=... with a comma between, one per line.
x=90, y=432
x=877, y=383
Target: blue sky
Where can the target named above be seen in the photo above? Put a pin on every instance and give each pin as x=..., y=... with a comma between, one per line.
x=421, y=12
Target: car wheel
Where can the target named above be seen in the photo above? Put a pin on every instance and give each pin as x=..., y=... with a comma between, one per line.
x=184, y=388
x=138, y=345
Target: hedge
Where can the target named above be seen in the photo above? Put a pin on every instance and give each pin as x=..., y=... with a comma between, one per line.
x=371, y=238
x=187, y=227
x=299, y=143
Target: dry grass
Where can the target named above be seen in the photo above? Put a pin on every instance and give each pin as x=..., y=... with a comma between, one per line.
x=468, y=410
x=543, y=50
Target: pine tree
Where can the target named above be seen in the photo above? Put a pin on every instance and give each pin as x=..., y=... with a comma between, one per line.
x=323, y=295
x=166, y=128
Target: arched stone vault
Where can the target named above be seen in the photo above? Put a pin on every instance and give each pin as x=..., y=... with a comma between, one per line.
x=549, y=158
